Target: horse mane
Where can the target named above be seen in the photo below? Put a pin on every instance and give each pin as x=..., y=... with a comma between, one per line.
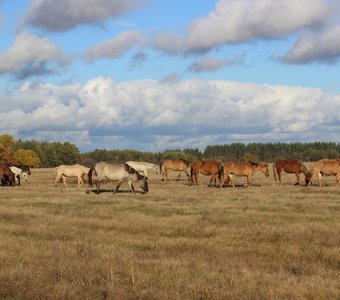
x=253, y=164
x=131, y=170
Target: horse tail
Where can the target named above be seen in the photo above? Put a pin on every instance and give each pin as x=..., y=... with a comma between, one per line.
x=220, y=171
x=304, y=169
x=160, y=167
x=275, y=173
x=90, y=174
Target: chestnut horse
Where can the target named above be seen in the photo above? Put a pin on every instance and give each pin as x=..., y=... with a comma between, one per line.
x=180, y=165
x=325, y=167
x=291, y=166
x=246, y=169
x=205, y=167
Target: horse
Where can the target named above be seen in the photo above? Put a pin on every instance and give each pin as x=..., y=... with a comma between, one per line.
x=180, y=165
x=18, y=172
x=64, y=171
x=246, y=169
x=291, y=166
x=141, y=166
x=24, y=168
x=205, y=167
x=119, y=171
x=325, y=167
x=7, y=177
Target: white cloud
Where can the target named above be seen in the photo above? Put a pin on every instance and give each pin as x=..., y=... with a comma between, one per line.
x=115, y=47
x=31, y=55
x=323, y=47
x=63, y=15
x=239, y=21
x=147, y=114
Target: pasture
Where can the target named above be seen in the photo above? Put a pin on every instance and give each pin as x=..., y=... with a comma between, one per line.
x=176, y=242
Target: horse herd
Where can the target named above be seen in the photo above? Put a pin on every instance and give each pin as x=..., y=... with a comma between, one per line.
x=223, y=171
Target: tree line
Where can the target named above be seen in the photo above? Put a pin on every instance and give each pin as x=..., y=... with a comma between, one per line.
x=52, y=154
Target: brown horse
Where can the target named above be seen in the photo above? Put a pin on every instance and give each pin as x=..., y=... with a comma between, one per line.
x=246, y=169
x=180, y=165
x=7, y=177
x=291, y=166
x=325, y=167
x=205, y=167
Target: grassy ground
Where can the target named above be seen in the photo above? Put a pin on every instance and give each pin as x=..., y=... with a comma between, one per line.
x=176, y=242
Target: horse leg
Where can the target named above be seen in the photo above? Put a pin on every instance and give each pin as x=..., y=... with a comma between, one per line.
x=231, y=181
x=166, y=174
x=117, y=186
x=247, y=181
x=297, y=178
x=179, y=175
x=279, y=170
x=64, y=180
x=186, y=173
x=131, y=187
x=56, y=181
x=17, y=179
x=319, y=179
x=337, y=178
x=98, y=186
x=212, y=180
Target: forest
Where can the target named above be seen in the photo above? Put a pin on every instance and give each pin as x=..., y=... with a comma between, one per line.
x=51, y=154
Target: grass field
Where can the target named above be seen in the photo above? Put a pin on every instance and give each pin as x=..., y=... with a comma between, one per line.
x=176, y=242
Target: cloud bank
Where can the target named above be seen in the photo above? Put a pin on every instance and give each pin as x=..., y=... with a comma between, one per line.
x=62, y=15
x=241, y=21
x=149, y=115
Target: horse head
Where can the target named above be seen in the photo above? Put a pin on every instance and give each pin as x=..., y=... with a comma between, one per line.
x=263, y=167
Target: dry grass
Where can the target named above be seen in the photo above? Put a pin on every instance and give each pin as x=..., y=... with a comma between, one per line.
x=177, y=242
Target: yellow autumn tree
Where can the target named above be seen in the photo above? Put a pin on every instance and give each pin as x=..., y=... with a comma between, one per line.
x=7, y=155
x=7, y=140
x=27, y=157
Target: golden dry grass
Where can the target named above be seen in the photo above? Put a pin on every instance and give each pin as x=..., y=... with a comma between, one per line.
x=177, y=242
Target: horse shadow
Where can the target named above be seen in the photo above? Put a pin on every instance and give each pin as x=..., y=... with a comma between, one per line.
x=101, y=191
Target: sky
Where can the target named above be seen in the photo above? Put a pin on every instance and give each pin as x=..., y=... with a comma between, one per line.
x=152, y=75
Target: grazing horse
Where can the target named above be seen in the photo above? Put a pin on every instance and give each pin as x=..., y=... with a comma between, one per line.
x=7, y=177
x=18, y=172
x=141, y=166
x=325, y=167
x=246, y=169
x=205, y=167
x=64, y=171
x=180, y=165
x=290, y=166
x=120, y=171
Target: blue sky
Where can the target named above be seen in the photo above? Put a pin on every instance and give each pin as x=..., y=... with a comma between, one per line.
x=155, y=74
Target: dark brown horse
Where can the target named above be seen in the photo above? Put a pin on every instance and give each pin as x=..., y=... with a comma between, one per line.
x=247, y=169
x=205, y=167
x=293, y=167
x=7, y=177
x=180, y=165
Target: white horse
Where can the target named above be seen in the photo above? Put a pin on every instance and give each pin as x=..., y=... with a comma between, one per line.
x=141, y=166
x=120, y=172
x=18, y=172
x=64, y=171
